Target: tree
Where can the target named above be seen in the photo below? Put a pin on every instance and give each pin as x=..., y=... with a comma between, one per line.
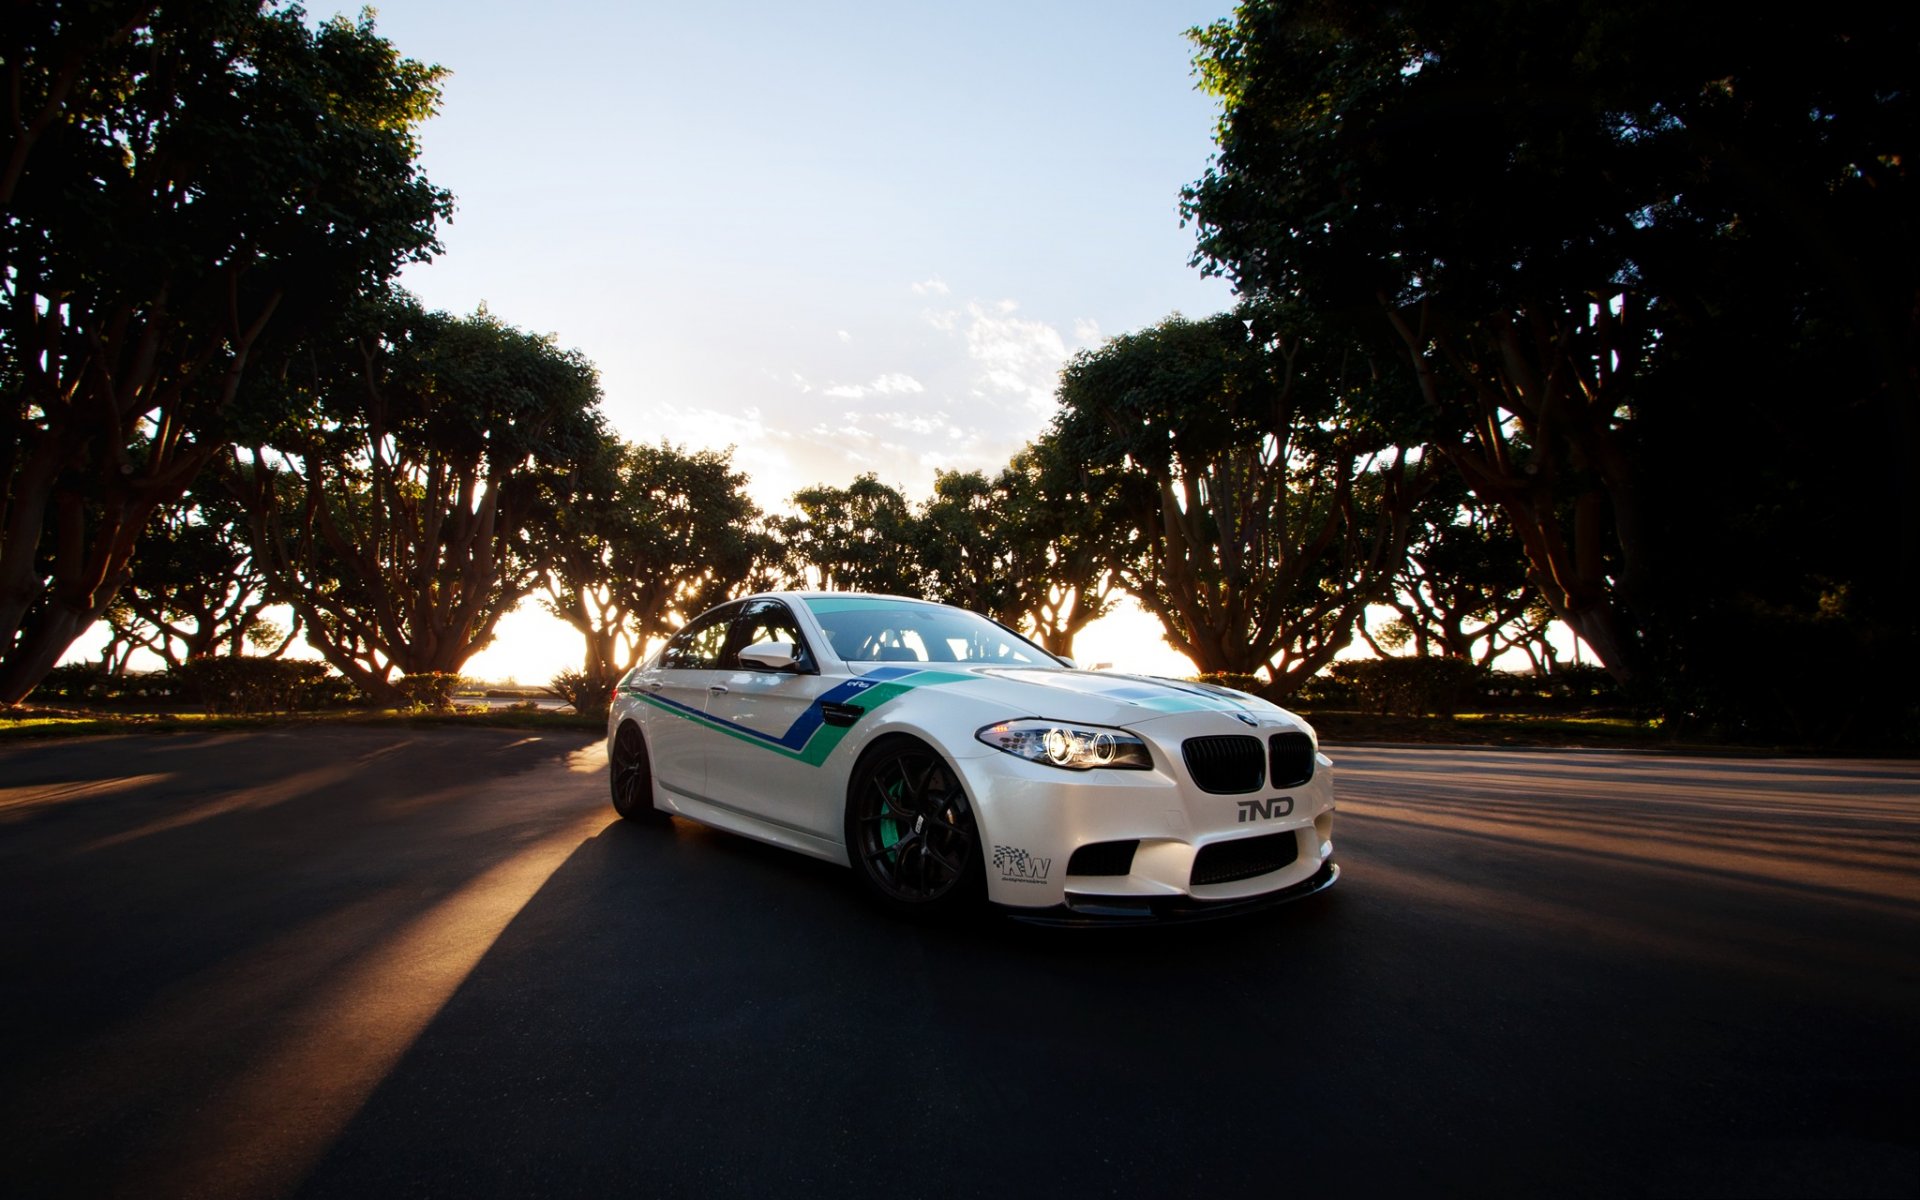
x=178, y=178
x=396, y=510
x=859, y=538
x=642, y=539
x=195, y=588
x=1070, y=540
x=1267, y=521
x=1463, y=591
x=1625, y=250
x=969, y=546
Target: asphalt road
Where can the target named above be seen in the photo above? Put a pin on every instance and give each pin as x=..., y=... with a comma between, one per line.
x=350, y=962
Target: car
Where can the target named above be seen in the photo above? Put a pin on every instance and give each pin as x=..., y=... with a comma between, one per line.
x=949, y=761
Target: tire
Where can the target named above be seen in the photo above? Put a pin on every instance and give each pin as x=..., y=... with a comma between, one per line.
x=630, y=775
x=911, y=834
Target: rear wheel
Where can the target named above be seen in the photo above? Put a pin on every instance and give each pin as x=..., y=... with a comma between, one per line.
x=911, y=833
x=631, y=773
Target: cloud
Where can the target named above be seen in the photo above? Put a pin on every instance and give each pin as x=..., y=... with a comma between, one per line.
x=1017, y=357
x=920, y=423
x=931, y=287
x=1086, y=331
x=898, y=383
x=845, y=336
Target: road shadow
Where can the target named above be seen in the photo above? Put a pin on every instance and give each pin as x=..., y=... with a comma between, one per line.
x=684, y=1012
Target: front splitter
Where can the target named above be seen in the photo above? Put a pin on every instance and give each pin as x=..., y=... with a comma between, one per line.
x=1109, y=911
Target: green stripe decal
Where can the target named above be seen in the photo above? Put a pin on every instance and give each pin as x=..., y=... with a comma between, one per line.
x=825, y=738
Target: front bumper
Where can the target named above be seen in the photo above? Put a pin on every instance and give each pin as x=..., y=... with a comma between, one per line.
x=1101, y=911
x=1146, y=844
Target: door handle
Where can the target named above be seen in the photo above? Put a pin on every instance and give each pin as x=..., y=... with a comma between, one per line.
x=717, y=687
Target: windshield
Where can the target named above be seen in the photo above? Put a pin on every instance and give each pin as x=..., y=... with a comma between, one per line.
x=867, y=629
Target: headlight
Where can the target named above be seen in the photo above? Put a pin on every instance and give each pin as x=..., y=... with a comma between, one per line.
x=1063, y=744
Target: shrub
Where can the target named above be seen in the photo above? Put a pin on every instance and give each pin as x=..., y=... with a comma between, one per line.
x=251, y=685
x=590, y=695
x=1412, y=686
x=1326, y=691
x=76, y=683
x=1251, y=684
x=429, y=691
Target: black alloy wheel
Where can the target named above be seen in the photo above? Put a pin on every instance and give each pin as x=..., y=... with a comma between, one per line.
x=630, y=772
x=910, y=831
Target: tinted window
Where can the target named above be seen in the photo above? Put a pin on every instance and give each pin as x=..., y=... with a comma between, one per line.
x=863, y=629
x=699, y=645
x=765, y=621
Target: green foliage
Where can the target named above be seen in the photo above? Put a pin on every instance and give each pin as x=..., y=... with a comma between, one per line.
x=859, y=538
x=79, y=683
x=1653, y=269
x=590, y=695
x=1253, y=685
x=259, y=685
x=428, y=691
x=179, y=184
x=1411, y=686
x=968, y=542
x=1036, y=547
x=195, y=588
x=402, y=513
x=1414, y=685
x=1463, y=590
x=1267, y=509
x=638, y=539
x=1568, y=686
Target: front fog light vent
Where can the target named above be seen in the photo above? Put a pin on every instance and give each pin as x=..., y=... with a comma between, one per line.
x=1103, y=858
x=1244, y=858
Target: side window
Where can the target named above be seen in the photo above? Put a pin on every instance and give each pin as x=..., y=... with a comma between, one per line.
x=765, y=621
x=698, y=646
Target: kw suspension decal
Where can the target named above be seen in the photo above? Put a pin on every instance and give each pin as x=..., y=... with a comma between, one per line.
x=1018, y=866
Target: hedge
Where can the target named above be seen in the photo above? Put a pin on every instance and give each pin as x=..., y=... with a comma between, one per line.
x=220, y=685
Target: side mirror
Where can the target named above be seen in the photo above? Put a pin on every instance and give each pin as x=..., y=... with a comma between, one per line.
x=773, y=656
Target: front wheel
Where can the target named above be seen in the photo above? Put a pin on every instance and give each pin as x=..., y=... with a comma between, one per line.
x=631, y=773
x=911, y=833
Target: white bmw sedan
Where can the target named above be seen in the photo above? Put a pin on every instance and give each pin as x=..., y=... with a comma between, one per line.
x=947, y=760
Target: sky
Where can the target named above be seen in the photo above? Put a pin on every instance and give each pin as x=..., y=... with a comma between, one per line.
x=837, y=238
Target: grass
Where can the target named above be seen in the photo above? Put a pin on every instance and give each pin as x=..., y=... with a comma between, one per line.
x=54, y=722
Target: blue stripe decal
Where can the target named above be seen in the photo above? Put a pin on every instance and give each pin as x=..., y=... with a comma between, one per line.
x=801, y=731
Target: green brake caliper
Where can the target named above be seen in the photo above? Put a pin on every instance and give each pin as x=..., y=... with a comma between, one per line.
x=890, y=828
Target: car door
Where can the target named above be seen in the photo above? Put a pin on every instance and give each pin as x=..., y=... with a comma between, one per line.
x=677, y=691
x=770, y=715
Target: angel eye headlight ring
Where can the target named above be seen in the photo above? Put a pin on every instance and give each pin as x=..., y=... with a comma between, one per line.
x=1071, y=746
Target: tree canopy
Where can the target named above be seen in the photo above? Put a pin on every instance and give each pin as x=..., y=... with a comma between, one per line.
x=396, y=507
x=179, y=179
x=1268, y=516
x=641, y=539
x=1651, y=269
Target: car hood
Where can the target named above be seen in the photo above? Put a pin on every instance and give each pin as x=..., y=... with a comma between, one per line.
x=1096, y=697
